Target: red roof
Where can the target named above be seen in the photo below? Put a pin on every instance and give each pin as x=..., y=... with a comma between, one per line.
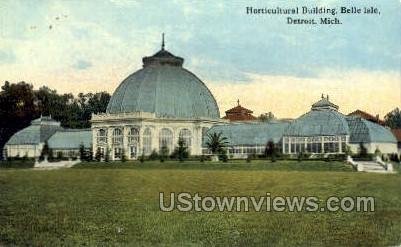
x=239, y=109
x=239, y=113
x=397, y=134
x=367, y=116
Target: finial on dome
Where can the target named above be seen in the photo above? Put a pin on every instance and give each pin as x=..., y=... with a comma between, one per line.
x=322, y=96
x=238, y=102
x=162, y=41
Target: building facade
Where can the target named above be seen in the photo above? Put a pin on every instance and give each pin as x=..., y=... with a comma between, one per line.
x=153, y=108
x=325, y=130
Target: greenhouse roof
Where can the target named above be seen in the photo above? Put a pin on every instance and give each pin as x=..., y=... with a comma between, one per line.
x=318, y=123
x=36, y=133
x=249, y=133
x=362, y=130
x=71, y=139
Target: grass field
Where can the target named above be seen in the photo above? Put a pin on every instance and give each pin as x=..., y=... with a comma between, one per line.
x=118, y=204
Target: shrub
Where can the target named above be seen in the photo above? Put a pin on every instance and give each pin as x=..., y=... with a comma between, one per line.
x=223, y=156
x=59, y=155
x=181, y=152
x=394, y=157
x=273, y=158
x=163, y=153
x=107, y=156
x=98, y=155
x=142, y=157
x=154, y=155
x=249, y=159
x=123, y=156
x=363, y=152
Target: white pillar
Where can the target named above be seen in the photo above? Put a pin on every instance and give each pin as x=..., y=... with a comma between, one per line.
x=109, y=149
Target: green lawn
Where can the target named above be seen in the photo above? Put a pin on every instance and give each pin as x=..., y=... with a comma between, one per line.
x=118, y=204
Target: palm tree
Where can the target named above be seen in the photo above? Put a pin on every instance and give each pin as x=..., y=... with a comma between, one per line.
x=216, y=142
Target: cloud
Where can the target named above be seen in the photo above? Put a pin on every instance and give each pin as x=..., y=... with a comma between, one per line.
x=82, y=64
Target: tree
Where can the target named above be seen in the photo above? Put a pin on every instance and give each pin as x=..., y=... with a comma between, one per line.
x=107, y=156
x=142, y=157
x=46, y=152
x=123, y=156
x=20, y=104
x=216, y=142
x=17, y=109
x=60, y=155
x=181, y=152
x=98, y=154
x=393, y=119
x=266, y=117
x=270, y=149
x=363, y=152
x=82, y=154
x=154, y=155
x=163, y=153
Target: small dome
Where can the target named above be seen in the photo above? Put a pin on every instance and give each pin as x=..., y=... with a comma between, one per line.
x=324, y=104
x=322, y=120
x=318, y=123
x=165, y=88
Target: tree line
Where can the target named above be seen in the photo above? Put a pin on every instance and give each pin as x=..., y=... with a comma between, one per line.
x=20, y=103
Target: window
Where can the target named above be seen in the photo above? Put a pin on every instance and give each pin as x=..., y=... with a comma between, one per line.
x=204, y=131
x=147, y=141
x=132, y=150
x=133, y=136
x=166, y=139
x=117, y=136
x=117, y=153
x=186, y=135
x=101, y=136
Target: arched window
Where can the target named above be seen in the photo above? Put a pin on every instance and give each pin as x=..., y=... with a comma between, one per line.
x=186, y=135
x=117, y=136
x=204, y=131
x=101, y=136
x=133, y=136
x=166, y=139
x=147, y=141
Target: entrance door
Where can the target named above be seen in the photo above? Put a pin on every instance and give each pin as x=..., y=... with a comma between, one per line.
x=133, y=152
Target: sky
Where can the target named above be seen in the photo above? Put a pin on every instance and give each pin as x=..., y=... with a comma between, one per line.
x=91, y=46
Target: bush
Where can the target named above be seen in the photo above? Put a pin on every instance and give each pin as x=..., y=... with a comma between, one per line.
x=181, y=152
x=363, y=152
x=142, y=157
x=154, y=155
x=98, y=155
x=249, y=159
x=107, y=156
x=123, y=156
x=163, y=154
x=394, y=157
x=378, y=152
x=59, y=155
x=223, y=156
